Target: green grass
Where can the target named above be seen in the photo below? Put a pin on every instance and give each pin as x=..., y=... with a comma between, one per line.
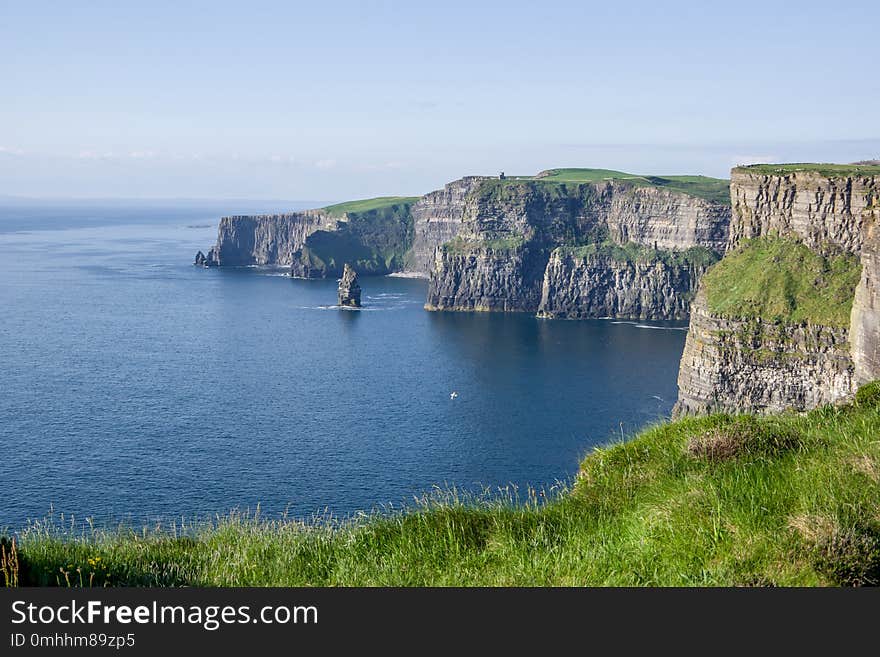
x=829, y=170
x=631, y=252
x=711, y=189
x=718, y=500
x=366, y=205
x=783, y=280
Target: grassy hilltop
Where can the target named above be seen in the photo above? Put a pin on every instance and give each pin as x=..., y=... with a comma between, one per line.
x=719, y=500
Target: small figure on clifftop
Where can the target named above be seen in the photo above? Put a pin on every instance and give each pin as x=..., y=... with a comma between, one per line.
x=349, y=290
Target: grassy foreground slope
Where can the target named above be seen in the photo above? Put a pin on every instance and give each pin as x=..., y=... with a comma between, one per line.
x=719, y=500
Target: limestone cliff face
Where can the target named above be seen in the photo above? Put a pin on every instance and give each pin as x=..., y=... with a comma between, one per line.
x=763, y=366
x=818, y=209
x=485, y=278
x=760, y=367
x=651, y=216
x=501, y=256
x=865, y=318
x=577, y=287
x=316, y=243
x=264, y=239
x=437, y=218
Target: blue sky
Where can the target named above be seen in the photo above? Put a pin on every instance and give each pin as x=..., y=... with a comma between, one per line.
x=334, y=100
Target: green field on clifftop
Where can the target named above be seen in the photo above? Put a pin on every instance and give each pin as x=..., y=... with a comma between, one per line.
x=827, y=170
x=783, y=280
x=368, y=204
x=710, y=189
x=719, y=500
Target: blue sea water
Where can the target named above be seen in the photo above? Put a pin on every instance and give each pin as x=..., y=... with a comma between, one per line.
x=136, y=387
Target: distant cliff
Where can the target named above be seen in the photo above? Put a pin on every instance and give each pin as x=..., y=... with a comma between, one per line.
x=506, y=253
x=269, y=239
x=492, y=243
x=374, y=236
x=789, y=318
x=634, y=282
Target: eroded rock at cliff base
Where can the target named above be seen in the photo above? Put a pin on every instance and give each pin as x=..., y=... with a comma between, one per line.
x=209, y=260
x=349, y=292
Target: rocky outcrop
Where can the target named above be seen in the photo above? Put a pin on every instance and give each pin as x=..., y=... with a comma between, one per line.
x=578, y=286
x=349, y=292
x=509, y=229
x=767, y=365
x=757, y=366
x=203, y=261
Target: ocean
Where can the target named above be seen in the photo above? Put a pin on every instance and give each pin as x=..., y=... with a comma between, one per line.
x=137, y=388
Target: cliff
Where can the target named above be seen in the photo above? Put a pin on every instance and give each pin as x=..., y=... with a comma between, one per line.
x=760, y=366
x=493, y=275
x=821, y=206
x=789, y=318
x=437, y=218
x=865, y=318
x=374, y=235
x=505, y=255
x=264, y=239
x=487, y=243
x=626, y=283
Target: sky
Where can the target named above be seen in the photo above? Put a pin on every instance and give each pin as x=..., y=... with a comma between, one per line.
x=339, y=100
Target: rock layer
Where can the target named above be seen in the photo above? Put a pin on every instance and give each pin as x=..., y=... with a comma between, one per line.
x=815, y=208
x=760, y=367
x=437, y=218
x=270, y=239
x=577, y=287
x=485, y=278
x=865, y=319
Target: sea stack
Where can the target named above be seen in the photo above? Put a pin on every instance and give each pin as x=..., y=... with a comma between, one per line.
x=349, y=290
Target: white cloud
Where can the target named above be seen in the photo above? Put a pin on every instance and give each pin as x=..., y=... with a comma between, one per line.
x=10, y=151
x=325, y=164
x=140, y=155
